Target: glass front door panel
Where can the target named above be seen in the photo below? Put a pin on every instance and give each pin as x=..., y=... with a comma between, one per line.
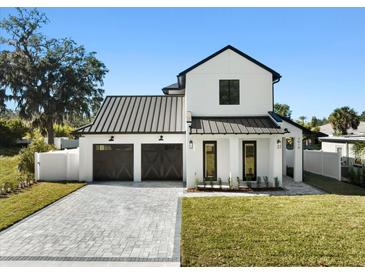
x=210, y=161
x=249, y=161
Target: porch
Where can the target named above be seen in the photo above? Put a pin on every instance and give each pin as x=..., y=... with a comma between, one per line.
x=236, y=160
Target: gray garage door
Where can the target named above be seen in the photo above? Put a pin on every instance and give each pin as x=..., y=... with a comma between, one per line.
x=162, y=162
x=113, y=162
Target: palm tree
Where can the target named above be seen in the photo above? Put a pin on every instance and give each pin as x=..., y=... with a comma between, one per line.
x=342, y=119
x=301, y=120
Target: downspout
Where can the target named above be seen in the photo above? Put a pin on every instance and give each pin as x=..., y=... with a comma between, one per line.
x=272, y=93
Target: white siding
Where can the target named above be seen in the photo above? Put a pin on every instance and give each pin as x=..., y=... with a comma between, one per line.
x=202, y=87
x=332, y=147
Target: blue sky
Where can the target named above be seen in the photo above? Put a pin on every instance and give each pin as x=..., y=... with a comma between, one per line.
x=319, y=52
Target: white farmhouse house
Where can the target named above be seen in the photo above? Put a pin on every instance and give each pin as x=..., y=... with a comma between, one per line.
x=217, y=121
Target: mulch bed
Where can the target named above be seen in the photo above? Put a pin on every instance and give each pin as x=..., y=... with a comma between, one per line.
x=244, y=189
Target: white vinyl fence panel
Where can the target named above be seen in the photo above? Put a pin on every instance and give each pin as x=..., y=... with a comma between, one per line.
x=289, y=157
x=57, y=165
x=323, y=163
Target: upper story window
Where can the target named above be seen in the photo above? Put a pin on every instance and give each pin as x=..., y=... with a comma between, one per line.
x=229, y=92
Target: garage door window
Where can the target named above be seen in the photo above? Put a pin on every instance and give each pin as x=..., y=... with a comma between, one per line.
x=103, y=147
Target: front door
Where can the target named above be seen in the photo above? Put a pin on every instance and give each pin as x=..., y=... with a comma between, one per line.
x=210, y=160
x=249, y=160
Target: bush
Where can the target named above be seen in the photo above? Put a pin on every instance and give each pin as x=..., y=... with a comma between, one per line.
x=11, y=130
x=62, y=130
x=26, y=155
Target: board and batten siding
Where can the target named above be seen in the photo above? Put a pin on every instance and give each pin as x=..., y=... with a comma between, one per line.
x=202, y=87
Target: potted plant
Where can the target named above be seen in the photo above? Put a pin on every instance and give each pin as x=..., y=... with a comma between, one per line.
x=249, y=183
x=238, y=182
x=266, y=181
x=277, y=182
x=211, y=184
x=220, y=183
x=196, y=182
x=229, y=183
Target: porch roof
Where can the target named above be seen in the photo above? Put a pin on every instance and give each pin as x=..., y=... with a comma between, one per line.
x=235, y=125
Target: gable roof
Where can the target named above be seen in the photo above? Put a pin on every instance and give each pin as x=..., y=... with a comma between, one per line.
x=328, y=129
x=138, y=114
x=174, y=86
x=276, y=75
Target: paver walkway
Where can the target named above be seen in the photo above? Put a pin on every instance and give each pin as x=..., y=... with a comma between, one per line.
x=290, y=188
x=123, y=222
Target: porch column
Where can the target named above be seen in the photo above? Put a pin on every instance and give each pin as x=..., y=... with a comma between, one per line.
x=298, y=159
x=283, y=146
x=276, y=159
x=234, y=154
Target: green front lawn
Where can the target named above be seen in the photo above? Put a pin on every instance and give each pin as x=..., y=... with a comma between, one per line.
x=318, y=230
x=20, y=205
x=332, y=185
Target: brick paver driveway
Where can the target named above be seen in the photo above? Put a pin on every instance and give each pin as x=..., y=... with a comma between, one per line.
x=109, y=221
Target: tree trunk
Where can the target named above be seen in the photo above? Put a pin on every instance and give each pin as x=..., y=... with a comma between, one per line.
x=50, y=133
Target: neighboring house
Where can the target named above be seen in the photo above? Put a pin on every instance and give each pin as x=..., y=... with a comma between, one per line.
x=328, y=129
x=217, y=121
x=344, y=146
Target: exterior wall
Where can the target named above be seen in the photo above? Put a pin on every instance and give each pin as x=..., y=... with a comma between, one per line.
x=202, y=87
x=230, y=157
x=57, y=165
x=297, y=134
x=87, y=142
x=332, y=147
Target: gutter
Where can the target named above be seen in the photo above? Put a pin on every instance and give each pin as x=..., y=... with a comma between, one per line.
x=272, y=93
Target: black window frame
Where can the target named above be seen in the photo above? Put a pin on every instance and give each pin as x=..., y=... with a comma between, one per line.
x=243, y=159
x=230, y=97
x=215, y=161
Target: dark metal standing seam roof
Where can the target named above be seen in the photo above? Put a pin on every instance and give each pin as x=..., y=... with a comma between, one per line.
x=138, y=114
x=235, y=125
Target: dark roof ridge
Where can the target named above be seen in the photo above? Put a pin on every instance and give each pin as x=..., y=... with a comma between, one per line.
x=275, y=74
x=157, y=95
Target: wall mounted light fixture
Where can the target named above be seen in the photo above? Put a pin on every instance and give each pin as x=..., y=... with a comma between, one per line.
x=278, y=143
x=161, y=138
x=111, y=139
x=191, y=145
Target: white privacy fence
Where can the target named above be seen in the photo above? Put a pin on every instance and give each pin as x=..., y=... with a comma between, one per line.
x=57, y=165
x=289, y=157
x=323, y=163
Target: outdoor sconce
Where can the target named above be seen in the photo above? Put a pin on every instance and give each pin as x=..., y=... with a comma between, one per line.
x=298, y=143
x=161, y=138
x=111, y=139
x=191, y=144
x=278, y=142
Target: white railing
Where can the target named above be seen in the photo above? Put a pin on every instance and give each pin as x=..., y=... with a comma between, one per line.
x=57, y=165
x=323, y=163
